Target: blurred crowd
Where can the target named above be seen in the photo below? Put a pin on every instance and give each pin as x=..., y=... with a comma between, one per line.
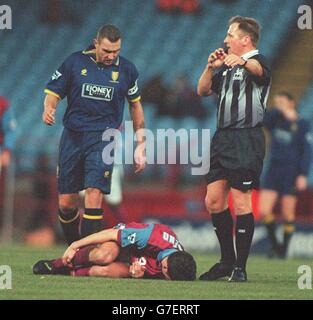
x=177, y=100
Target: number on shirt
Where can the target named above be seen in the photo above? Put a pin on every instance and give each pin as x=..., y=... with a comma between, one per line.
x=171, y=239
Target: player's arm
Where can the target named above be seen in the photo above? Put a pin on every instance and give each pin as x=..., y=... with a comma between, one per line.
x=215, y=60
x=50, y=107
x=56, y=89
x=137, y=116
x=96, y=238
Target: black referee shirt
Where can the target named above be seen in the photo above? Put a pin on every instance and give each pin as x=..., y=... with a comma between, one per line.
x=242, y=97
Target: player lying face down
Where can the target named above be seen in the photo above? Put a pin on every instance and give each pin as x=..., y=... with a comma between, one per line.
x=134, y=250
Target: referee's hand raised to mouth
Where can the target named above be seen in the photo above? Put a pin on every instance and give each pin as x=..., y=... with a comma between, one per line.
x=216, y=58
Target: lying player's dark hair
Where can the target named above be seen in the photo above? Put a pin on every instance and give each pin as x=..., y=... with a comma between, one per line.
x=181, y=266
x=109, y=32
x=249, y=26
x=286, y=94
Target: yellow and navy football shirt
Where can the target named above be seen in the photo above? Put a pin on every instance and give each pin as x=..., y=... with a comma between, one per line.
x=95, y=92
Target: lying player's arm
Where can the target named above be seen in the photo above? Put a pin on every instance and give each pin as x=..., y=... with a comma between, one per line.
x=137, y=116
x=96, y=238
x=50, y=107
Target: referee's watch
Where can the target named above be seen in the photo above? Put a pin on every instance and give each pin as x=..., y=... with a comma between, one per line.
x=245, y=61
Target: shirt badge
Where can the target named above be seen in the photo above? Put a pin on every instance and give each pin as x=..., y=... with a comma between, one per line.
x=106, y=174
x=84, y=72
x=238, y=74
x=114, y=76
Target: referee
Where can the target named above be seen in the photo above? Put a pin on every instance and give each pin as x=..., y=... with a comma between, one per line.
x=240, y=77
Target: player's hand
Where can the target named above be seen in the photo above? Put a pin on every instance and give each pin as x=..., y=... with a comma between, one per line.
x=136, y=270
x=216, y=58
x=69, y=255
x=301, y=183
x=140, y=157
x=48, y=116
x=233, y=60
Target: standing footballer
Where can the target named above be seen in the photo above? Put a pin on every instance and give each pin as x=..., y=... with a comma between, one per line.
x=241, y=79
x=95, y=82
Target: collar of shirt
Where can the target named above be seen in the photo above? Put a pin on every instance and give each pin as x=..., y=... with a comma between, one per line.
x=165, y=253
x=250, y=54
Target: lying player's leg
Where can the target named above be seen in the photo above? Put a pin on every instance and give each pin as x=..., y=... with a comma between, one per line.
x=113, y=270
x=104, y=254
x=97, y=255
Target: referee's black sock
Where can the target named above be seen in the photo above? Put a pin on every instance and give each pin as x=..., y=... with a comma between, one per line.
x=244, y=235
x=223, y=225
x=92, y=222
x=70, y=224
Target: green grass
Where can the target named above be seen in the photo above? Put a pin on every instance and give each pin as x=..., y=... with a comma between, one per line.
x=268, y=279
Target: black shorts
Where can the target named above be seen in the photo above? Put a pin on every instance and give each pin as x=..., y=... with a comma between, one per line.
x=237, y=156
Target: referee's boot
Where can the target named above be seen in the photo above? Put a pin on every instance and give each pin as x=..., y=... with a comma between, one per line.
x=238, y=275
x=219, y=270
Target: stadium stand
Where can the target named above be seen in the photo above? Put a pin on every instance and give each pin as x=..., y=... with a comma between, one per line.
x=39, y=48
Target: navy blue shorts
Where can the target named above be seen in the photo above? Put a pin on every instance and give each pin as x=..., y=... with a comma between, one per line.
x=80, y=163
x=280, y=178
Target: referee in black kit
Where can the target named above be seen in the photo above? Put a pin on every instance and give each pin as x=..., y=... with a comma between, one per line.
x=241, y=79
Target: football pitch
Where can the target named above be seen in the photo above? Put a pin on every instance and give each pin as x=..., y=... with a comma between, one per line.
x=268, y=279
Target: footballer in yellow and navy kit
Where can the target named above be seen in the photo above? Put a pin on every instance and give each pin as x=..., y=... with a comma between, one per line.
x=95, y=92
x=95, y=102
x=95, y=82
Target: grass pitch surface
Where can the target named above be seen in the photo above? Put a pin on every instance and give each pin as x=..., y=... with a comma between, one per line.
x=268, y=279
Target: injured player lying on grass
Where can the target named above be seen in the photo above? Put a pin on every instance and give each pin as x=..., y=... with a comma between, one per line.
x=135, y=250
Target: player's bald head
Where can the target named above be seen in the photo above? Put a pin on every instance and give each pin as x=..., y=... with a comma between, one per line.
x=110, y=32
